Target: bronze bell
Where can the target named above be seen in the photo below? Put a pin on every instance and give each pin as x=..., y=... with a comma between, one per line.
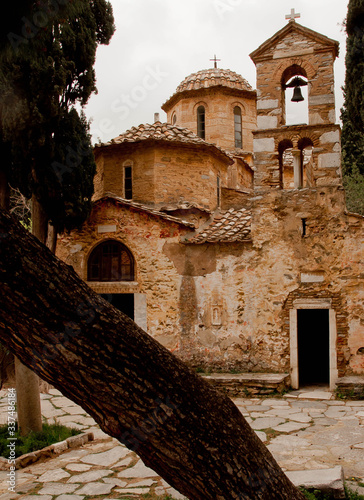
x=297, y=95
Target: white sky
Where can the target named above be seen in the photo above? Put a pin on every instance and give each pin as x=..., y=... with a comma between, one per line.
x=158, y=43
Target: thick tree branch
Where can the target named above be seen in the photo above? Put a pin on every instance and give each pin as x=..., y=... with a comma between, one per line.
x=138, y=392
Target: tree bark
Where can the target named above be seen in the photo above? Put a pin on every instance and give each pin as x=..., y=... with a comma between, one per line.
x=4, y=191
x=138, y=392
x=27, y=381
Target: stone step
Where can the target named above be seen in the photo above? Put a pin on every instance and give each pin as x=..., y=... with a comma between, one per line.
x=329, y=481
x=351, y=387
x=250, y=384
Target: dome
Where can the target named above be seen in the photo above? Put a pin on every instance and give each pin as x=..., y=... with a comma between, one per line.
x=214, y=77
x=209, y=78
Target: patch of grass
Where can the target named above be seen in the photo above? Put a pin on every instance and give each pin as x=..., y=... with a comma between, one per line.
x=352, y=495
x=35, y=440
x=318, y=495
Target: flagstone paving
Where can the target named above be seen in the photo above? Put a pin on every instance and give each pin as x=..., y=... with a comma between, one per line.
x=303, y=430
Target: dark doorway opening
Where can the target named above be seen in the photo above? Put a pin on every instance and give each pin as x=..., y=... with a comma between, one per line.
x=122, y=301
x=313, y=346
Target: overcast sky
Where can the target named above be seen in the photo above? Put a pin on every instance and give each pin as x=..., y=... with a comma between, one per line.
x=158, y=43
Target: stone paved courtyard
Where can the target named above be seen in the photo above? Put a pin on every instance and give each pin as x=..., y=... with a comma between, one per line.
x=303, y=430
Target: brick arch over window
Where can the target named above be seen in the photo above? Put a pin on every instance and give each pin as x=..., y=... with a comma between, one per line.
x=308, y=70
x=110, y=261
x=293, y=70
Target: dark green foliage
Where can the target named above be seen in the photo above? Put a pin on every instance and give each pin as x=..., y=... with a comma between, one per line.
x=352, y=113
x=46, y=68
x=35, y=440
x=318, y=495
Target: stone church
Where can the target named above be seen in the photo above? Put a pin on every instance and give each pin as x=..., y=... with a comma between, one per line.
x=224, y=232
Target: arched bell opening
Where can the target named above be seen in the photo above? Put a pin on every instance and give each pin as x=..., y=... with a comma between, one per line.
x=295, y=95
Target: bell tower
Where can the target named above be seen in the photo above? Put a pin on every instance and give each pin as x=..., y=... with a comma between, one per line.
x=302, y=155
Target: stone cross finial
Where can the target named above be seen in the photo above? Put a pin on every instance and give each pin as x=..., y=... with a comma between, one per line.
x=292, y=16
x=215, y=61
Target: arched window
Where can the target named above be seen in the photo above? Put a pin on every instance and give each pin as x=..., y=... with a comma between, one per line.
x=238, y=128
x=201, y=122
x=174, y=119
x=110, y=261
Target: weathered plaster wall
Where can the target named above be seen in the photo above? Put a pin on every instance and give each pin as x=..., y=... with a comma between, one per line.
x=235, y=299
x=227, y=306
x=156, y=276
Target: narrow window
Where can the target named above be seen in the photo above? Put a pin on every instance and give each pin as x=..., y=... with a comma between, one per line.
x=218, y=190
x=174, y=119
x=201, y=122
x=128, y=183
x=238, y=128
x=304, y=228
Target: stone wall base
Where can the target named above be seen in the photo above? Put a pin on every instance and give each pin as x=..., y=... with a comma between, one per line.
x=350, y=387
x=250, y=384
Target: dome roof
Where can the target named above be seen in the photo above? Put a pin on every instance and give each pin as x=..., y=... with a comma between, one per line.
x=209, y=78
x=214, y=77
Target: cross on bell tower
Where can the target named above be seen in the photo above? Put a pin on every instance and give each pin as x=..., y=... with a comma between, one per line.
x=293, y=15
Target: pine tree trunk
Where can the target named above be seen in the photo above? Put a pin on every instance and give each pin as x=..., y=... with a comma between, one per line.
x=4, y=191
x=138, y=392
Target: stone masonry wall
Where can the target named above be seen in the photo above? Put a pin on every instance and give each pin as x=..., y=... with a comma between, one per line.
x=156, y=276
x=162, y=174
x=219, y=106
x=315, y=60
x=325, y=165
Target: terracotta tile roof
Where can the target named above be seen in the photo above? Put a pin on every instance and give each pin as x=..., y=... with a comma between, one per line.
x=163, y=132
x=226, y=227
x=214, y=77
x=144, y=208
x=207, y=78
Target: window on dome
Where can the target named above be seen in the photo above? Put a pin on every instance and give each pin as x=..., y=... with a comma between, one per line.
x=201, y=122
x=238, y=128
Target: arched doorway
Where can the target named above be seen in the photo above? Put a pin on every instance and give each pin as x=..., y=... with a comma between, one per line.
x=110, y=262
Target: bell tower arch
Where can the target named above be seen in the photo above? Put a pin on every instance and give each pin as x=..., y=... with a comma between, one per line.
x=295, y=51
x=293, y=58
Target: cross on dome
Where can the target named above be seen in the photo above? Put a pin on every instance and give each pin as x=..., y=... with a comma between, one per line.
x=293, y=15
x=215, y=61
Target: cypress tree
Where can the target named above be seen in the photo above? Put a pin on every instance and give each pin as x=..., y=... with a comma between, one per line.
x=47, y=54
x=46, y=69
x=352, y=113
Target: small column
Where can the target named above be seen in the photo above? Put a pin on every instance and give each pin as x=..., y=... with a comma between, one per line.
x=297, y=168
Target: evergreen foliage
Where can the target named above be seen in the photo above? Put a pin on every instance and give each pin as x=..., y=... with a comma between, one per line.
x=46, y=70
x=352, y=113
